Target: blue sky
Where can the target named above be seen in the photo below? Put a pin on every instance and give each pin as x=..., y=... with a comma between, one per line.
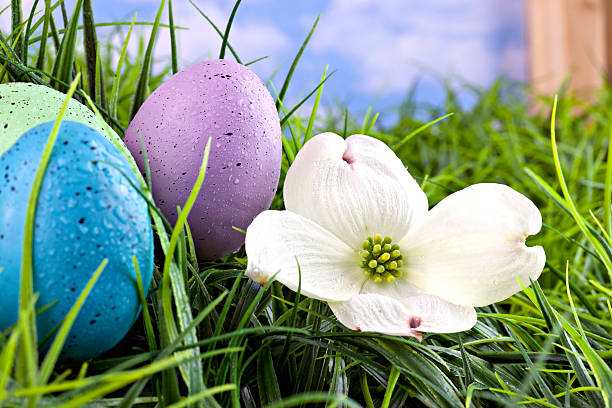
x=378, y=47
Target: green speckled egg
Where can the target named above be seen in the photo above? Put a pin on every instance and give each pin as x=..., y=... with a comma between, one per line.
x=25, y=105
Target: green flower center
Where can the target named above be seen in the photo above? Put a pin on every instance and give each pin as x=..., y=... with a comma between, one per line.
x=381, y=259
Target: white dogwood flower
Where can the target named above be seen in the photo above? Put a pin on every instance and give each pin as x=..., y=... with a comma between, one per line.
x=359, y=227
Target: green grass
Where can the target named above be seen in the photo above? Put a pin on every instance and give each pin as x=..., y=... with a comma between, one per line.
x=210, y=337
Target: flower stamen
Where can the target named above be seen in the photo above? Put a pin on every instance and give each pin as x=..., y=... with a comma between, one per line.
x=381, y=259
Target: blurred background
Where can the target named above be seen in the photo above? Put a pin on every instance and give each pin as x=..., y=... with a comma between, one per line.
x=385, y=51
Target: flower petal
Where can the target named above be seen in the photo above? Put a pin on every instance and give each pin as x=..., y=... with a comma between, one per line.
x=470, y=249
x=378, y=313
x=400, y=309
x=354, y=188
x=277, y=241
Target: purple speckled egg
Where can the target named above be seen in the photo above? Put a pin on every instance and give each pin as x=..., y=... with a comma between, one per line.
x=227, y=102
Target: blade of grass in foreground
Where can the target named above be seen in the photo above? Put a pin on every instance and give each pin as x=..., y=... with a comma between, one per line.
x=195, y=384
x=7, y=357
x=27, y=342
x=28, y=352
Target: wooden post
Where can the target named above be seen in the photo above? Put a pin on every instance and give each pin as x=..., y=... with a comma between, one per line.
x=568, y=40
x=608, y=23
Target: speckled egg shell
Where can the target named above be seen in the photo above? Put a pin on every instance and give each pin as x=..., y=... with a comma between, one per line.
x=227, y=102
x=25, y=105
x=86, y=211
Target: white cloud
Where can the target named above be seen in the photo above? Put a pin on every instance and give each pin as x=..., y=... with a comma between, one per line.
x=392, y=42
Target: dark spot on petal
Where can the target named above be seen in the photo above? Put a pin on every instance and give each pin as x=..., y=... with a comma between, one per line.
x=414, y=322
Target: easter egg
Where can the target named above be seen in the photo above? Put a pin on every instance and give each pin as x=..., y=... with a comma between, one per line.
x=87, y=211
x=228, y=103
x=25, y=105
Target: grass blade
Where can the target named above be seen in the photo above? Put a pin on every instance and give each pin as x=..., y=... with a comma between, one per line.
x=193, y=399
x=366, y=120
x=315, y=107
x=418, y=130
x=16, y=19
x=395, y=373
x=296, y=107
x=267, y=380
x=214, y=26
x=149, y=332
x=570, y=202
x=172, y=38
x=112, y=108
x=26, y=36
x=6, y=361
x=40, y=60
x=227, y=29
x=287, y=80
x=145, y=72
x=64, y=63
x=90, y=44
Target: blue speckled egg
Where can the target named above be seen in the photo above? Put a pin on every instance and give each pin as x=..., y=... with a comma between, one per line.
x=87, y=211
